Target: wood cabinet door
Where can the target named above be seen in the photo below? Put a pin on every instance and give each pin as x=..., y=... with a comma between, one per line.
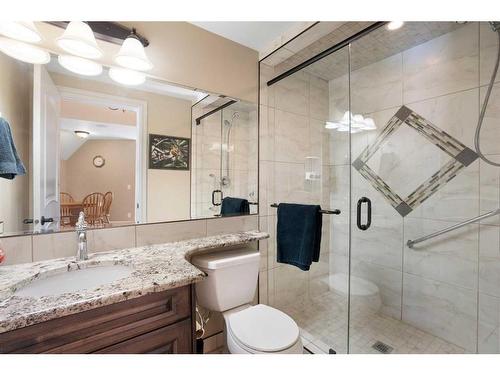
x=174, y=339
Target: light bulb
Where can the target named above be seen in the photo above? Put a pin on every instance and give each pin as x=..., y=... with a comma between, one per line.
x=394, y=25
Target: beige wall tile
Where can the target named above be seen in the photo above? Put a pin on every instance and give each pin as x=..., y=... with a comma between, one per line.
x=169, y=232
x=17, y=249
x=54, y=245
x=443, y=65
x=111, y=239
x=442, y=309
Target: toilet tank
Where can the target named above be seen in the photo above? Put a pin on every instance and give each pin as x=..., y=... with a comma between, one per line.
x=232, y=278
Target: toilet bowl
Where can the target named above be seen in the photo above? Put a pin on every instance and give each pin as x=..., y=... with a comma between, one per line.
x=261, y=329
x=229, y=288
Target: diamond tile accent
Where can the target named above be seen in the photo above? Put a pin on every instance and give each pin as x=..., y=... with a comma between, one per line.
x=461, y=157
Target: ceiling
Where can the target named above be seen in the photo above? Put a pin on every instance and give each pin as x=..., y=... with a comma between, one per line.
x=255, y=35
x=375, y=46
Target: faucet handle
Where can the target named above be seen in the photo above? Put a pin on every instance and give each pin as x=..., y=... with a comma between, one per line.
x=81, y=224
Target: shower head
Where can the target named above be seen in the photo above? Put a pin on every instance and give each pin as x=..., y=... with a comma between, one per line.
x=495, y=25
x=227, y=123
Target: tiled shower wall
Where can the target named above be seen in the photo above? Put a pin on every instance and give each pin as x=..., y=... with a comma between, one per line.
x=444, y=286
x=292, y=139
x=449, y=286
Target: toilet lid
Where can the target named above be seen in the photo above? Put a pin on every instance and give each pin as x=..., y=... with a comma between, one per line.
x=263, y=328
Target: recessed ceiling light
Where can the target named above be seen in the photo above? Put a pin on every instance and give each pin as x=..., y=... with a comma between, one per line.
x=24, y=51
x=82, y=133
x=78, y=39
x=394, y=25
x=25, y=31
x=79, y=65
x=126, y=76
x=132, y=55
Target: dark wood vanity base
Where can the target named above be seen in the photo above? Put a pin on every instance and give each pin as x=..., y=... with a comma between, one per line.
x=156, y=323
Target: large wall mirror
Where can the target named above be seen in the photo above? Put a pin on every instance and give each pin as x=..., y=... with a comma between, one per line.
x=124, y=155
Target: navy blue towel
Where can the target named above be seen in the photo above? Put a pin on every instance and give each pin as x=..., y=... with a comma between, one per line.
x=10, y=163
x=299, y=234
x=234, y=206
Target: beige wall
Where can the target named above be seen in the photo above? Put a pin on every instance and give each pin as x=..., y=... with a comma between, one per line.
x=168, y=192
x=89, y=112
x=80, y=177
x=187, y=55
x=15, y=106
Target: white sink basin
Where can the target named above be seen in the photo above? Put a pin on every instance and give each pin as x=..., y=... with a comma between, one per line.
x=74, y=281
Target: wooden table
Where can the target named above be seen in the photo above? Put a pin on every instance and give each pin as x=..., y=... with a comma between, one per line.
x=74, y=208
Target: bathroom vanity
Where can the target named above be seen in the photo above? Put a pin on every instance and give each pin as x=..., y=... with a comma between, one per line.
x=157, y=323
x=150, y=310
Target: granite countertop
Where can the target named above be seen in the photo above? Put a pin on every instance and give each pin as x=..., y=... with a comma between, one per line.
x=155, y=268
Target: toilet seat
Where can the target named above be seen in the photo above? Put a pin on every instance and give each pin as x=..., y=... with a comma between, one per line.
x=263, y=329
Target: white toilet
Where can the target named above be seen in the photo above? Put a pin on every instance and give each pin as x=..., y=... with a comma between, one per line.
x=229, y=289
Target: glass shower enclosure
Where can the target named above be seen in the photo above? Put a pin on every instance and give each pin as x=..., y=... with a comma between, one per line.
x=224, y=149
x=380, y=124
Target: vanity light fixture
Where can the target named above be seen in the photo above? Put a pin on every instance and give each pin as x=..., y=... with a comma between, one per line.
x=78, y=39
x=24, y=51
x=79, y=65
x=82, y=133
x=127, y=76
x=394, y=25
x=132, y=54
x=24, y=31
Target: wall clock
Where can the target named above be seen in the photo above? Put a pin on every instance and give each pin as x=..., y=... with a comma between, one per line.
x=98, y=161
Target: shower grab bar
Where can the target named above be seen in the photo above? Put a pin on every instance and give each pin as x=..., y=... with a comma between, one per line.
x=327, y=212
x=410, y=243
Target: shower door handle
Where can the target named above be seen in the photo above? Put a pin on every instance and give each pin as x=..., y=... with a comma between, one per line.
x=213, y=197
x=368, y=213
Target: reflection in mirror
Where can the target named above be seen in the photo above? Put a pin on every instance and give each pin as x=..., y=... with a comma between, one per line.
x=122, y=154
x=225, y=157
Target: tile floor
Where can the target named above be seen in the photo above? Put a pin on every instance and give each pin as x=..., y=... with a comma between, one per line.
x=323, y=322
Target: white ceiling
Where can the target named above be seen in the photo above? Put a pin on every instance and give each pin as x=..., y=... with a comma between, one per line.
x=255, y=35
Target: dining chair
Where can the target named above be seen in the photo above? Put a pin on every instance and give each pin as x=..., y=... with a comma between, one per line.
x=93, y=208
x=108, y=199
x=65, y=211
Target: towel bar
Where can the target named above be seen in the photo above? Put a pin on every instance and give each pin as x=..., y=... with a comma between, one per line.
x=327, y=212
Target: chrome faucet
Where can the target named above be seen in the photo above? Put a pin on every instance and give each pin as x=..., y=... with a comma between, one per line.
x=81, y=233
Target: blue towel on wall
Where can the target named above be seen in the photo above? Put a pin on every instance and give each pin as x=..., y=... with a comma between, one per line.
x=299, y=234
x=234, y=206
x=10, y=163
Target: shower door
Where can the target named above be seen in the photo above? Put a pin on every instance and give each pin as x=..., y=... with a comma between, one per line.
x=414, y=104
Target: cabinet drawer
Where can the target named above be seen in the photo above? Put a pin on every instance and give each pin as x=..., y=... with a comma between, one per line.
x=174, y=339
x=98, y=328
